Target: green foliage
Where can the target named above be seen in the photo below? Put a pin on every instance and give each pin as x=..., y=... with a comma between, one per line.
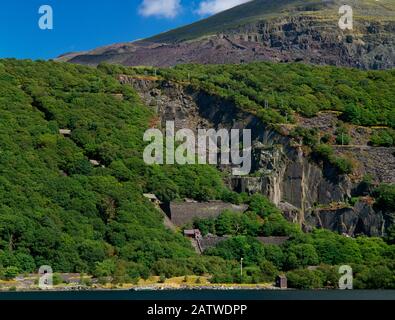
x=383, y=138
x=343, y=139
x=248, y=248
x=334, y=249
x=255, y=268
x=56, y=208
x=275, y=255
x=326, y=138
x=262, y=219
x=200, y=182
x=385, y=197
x=324, y=151
x=309, y=136
x=304, y=279
x=10, y=272
x=57, y=279
x=190, y=266
x=274, y=91
x=330, y=276
x=301, y=255
x=229, y=223
x=379, y=276
x=105, y=268
x=268, y=271
x=342, y=164
x=390, y=237
x=162, y=279
x=322, y=249
x=277, y=225
x=261, y=206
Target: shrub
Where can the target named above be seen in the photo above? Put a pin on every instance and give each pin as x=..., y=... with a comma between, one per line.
x=343, y=165
x=261, y=205
x=326, y=138
x=343, y=139
x=162, y=278
x=57, y=279
x=385, y=197
x=324, y=151
x=375, y=277
x=304, y=279
x=10, y=272
x=384, y=138
x=268, y=271
x=309, y=136
x=301, y=255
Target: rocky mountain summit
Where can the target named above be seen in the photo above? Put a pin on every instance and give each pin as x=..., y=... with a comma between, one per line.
x=265, y=30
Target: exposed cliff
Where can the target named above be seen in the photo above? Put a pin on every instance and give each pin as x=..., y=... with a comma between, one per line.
x=280, y=169
x=264, y=30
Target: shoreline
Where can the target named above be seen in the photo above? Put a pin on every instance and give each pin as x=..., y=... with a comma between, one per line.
x=142, y=288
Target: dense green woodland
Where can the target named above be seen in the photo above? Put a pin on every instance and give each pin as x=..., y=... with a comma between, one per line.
x=275, y=91
x=58, y=208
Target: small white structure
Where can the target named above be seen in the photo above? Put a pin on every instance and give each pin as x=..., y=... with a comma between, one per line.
x=65, y=132
x=190, y=200
x=95, y=163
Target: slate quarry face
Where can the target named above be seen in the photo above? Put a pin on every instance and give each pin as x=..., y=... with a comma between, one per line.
x=280, y=170
x=264, y=30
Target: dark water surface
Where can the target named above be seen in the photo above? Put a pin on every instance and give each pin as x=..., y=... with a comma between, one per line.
x=185, y=295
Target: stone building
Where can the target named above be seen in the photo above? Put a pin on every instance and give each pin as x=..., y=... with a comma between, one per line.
x=282, y=282
x=181, y=213
x=210, y=241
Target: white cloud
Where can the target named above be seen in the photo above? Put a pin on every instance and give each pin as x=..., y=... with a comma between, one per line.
x=208, y=7
x=160, y=8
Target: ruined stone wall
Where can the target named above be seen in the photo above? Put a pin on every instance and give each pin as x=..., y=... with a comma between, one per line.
x=182, y=213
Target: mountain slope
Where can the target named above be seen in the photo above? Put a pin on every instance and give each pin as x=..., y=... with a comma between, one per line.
x=258, y=10
x=285, y=30
x=58, y=208
x=73, y=201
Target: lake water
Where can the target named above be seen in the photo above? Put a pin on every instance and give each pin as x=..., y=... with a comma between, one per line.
x=270, y=295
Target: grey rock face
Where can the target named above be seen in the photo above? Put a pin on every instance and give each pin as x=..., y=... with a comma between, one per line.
x=360, y=219
x=286, y=39
x=280, y=170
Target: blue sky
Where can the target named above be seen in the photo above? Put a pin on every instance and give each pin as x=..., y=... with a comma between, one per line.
x=86, y=24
